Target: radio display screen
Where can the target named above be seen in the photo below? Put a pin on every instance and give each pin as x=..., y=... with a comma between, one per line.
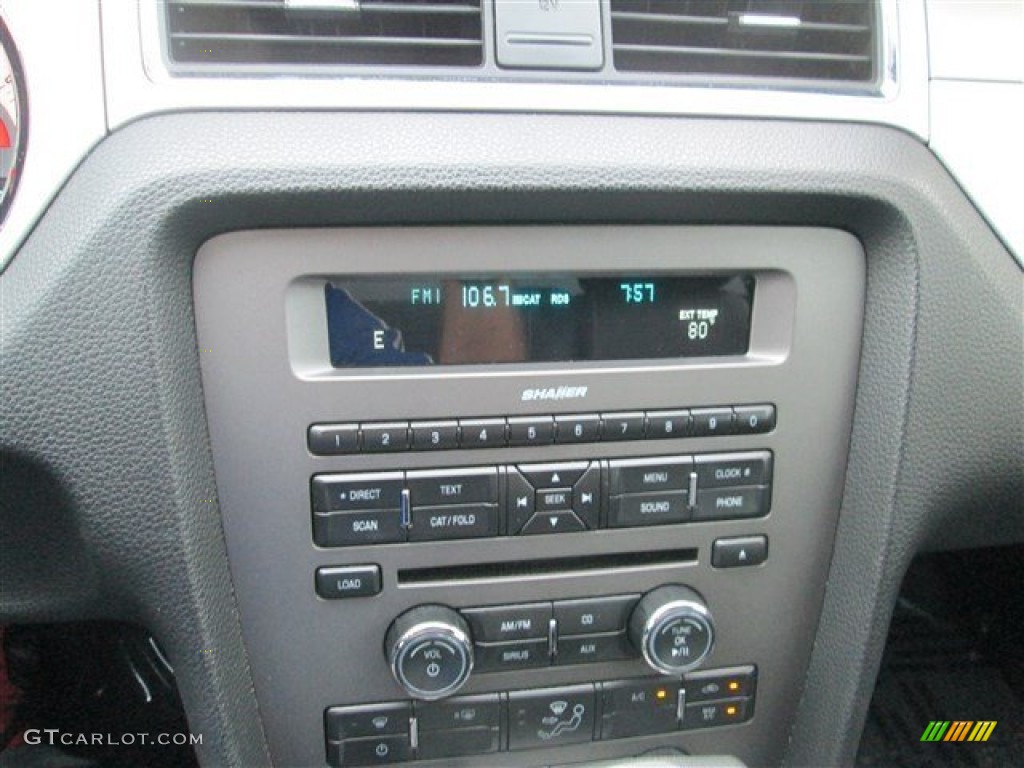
x=407, y=320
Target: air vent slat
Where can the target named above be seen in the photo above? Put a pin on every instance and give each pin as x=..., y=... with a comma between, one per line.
x=272, y=32
x=814, y=40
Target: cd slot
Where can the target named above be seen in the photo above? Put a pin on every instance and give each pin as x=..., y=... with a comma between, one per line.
x=561, y=565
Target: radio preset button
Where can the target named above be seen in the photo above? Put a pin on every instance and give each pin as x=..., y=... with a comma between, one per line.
x=727, y=470
x=622, y=426
x=482, y=433
x=754, y=419
x=530, y=430
x=594, y=614
x=385, y=438
x=581, y=428
x=664, y=425
x=344, y=493
x=347, y=529
x=711, y=421
x=429, y=488
x=333, y=439
x=553, y=522
x=334, y=582
x=640, y=509
x=503, y=623
x=435, y=435
x=649, y=475
x=729, y=503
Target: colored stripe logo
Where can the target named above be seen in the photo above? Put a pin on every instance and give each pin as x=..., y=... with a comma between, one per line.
x=958, y=730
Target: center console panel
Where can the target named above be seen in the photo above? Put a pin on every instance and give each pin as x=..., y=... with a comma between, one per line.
x=563, y=492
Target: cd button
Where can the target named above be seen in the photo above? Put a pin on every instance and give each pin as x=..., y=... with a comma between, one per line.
x=595, y=614
x=585, y=428
x=531, y=430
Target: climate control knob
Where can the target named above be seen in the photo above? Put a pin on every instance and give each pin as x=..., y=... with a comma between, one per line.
x=430, y=651
x=672, y=627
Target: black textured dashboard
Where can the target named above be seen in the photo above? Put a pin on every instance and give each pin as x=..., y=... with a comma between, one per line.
x=107, y=465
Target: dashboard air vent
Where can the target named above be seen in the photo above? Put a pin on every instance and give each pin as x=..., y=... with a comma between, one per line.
x=312, y=33
x=816, y=40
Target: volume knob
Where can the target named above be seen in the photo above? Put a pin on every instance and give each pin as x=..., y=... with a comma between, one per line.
x=672, y=627
x=430, y=651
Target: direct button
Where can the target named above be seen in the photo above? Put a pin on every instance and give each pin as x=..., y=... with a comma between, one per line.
x=367, y=720
x=430, y=488
x=347, y=581
x=739, y=551
x=596, y=614
x=724, y=470
x=343, y=493
x=502, y=623
x=649, y=475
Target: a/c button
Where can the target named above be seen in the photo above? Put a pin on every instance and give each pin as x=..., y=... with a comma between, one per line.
x=347, y=581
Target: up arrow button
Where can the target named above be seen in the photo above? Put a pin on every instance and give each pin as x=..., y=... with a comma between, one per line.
x=739, y=551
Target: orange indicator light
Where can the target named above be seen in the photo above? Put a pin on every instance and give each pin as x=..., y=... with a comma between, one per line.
x=730, y=711
x=661, y=693
x=733, y=685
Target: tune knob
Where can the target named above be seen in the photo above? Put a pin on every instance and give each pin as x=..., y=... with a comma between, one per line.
x=430, y=651
x=672, y=628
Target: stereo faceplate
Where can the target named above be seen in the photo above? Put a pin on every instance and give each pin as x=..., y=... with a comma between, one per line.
x=268, y=379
